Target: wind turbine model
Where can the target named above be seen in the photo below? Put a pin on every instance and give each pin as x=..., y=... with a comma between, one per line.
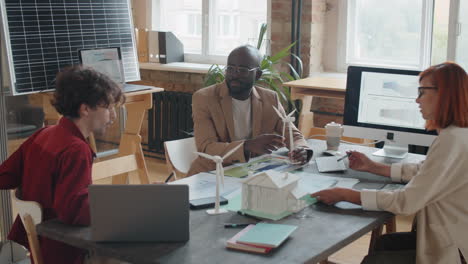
x=219, y=176
x=287, y=119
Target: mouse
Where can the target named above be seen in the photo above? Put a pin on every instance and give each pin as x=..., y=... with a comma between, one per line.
x=331, y=153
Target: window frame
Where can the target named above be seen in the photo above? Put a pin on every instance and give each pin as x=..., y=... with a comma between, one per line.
x=207, y=31
x=425, y=41
x=340, y=65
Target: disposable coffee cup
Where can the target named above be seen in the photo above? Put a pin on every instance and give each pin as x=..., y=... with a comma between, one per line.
x=334, y=131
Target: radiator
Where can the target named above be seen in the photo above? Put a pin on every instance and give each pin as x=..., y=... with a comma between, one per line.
x=169, y=119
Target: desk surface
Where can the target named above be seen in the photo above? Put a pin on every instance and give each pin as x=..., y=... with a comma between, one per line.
x=322, y=230
x=147, y=91
x=321, y=83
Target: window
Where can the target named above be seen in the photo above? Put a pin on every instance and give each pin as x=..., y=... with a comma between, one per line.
x=458, y=33
x=210, y=29
x=406, y=34
x=389, y=33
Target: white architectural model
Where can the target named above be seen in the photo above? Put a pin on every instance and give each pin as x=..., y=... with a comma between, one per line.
x=272, y=193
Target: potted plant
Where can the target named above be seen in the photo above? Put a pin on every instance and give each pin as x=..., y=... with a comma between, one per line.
x=272, y=78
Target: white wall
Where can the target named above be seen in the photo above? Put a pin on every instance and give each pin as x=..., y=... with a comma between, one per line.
x=335, y=37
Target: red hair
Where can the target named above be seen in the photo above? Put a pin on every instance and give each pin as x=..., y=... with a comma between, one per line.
x=452, y=86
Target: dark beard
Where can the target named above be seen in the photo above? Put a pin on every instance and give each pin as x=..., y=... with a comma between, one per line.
x=243, y=87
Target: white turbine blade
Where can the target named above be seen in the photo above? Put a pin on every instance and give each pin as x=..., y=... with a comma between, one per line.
x=229, y=153
x=290, y=114
x=281, y=115
x=205, y=155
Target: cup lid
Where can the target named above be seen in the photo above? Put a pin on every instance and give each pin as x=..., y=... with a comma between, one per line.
x=332, y=124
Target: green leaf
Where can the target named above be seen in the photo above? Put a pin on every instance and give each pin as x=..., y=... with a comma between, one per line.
x=282, y=53
x=263, y=29
x=294, y=73
x=301, y=66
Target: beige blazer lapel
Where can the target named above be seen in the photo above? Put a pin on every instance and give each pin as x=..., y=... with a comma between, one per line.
x=226, y=106
x=257, y=113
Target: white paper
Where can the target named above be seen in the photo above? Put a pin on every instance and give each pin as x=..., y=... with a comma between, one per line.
x=203, y=185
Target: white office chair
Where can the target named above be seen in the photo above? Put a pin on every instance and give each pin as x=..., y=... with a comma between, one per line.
x=31, y=215
x=179, y=156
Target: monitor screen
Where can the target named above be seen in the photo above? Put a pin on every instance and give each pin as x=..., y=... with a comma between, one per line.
x=104, y=60
x=381, y=101
x=389, y=99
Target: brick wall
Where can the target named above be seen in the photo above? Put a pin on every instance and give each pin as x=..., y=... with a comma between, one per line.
x=325, y=109
x=312, y=45
x=317, y=31
x=281, y=29
x=174, y=81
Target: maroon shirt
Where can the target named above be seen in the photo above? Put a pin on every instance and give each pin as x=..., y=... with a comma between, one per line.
x=53, y=168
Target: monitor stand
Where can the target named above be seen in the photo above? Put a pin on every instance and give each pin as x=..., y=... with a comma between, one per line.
x=392, y=150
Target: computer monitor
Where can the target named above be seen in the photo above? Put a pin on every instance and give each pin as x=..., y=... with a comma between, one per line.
x=381, y=104
x=104, y=60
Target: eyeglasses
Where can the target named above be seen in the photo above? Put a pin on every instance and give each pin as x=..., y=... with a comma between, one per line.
x=242, y=71
x=422, y=88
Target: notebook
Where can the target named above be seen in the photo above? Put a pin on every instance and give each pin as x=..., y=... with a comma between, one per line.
x=330, y=164
x=139, y=213
x=109, y=61
x=266, y=235
x=232, y=243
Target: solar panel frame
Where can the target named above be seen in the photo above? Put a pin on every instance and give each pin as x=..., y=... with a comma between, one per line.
x=43, y=36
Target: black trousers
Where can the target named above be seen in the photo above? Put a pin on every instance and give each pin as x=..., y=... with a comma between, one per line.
x=391, y=248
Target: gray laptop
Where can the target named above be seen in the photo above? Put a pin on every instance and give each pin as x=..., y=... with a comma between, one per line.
x=109, y=61
x=139, y=213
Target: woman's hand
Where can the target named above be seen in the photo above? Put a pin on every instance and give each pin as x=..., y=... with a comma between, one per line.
x=334, y=195
x=359, y=161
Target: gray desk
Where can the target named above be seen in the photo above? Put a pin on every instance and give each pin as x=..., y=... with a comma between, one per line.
x=322, y=230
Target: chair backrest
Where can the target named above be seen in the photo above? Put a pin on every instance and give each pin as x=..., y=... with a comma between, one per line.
x=30, y=213
x=180, y=154
x=114, y=167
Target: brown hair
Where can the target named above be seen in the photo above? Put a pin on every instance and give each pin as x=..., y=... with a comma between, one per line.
x=78, y=85
x=452, y=86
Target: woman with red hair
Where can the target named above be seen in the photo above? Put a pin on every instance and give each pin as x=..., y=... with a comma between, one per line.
x=436, y=190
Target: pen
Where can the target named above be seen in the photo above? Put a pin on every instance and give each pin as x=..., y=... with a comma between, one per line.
x=231, y=225
x=345, y=156
x=168, y=178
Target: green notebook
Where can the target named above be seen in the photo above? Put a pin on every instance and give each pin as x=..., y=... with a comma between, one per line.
x=267, y=235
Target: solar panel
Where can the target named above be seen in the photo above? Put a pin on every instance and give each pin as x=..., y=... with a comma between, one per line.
x=43, y=36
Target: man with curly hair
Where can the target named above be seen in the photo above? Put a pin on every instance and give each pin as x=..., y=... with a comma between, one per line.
x=53, y=166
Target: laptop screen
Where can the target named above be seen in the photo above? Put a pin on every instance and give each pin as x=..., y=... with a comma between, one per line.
x=104, y=60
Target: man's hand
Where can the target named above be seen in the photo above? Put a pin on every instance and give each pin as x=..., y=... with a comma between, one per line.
x=334, y=195
x=299, y=155
x=264, y=144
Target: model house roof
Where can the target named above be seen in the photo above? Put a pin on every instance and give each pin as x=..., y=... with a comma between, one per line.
x=298, y=192
x=273, y=179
